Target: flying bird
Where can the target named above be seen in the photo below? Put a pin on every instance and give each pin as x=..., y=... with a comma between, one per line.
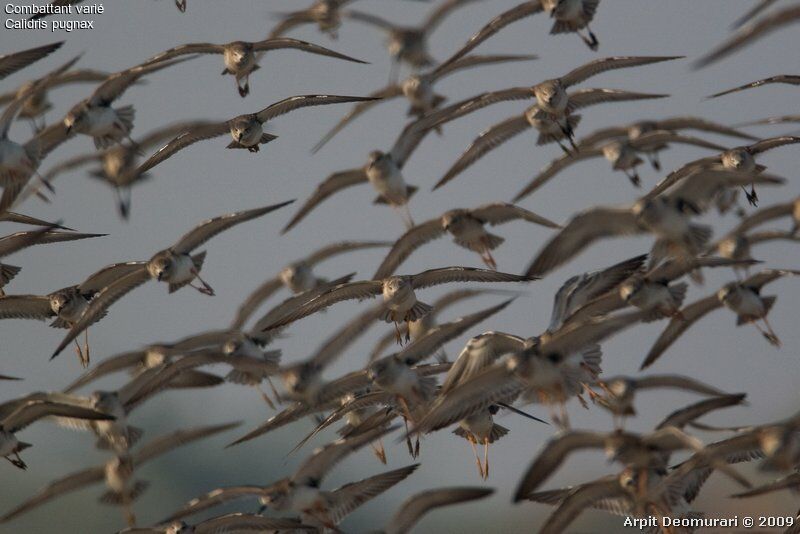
x=247, y=131
x=241, y=57
x=175, y=266
x=467, y=226
x=11, y=63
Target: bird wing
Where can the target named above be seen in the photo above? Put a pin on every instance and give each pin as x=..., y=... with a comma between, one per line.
x=425, y=346
x=492, y=385
x=11, y=63
x=579, y=500
x=370, y=19
x=581, y=231
x=385, y=93
x=574, y=337
x=186, y=49
x=763, y=215
x=109, y=274
x=277, y=43
x=554, y=453
x=677, y=382
x=554, y=167
x=410, y=241
x=487, y=141
x=239, y=522
x=119, y=82
x=703, y=125
x=445, y=275
x=350, y=496
x=291, y=414
x=165, y=133
x=476, y=60
x=29, y=412
x=215, y=498
x=416, y=506
x=332, y=184
x=319, y=464
x=211, y=227
x=679, y=324
x=25, y=307
x=760, y=6
x=71, y=482
x=47, y=140
x=677, y=175
x=577, y=293
x=680, y=418
x=183, y=140
x=773, y=142
x=612, y=132
x=347, y=291
x=289, y=21
x=98, y=306
x=501, y=212
x=254, y=300
x=20, y=240
x=112, y=364
x=673, y=269
x=468, y=364
x=700, y=187
x=660, y=137
x=595, y=67
x=590, y=97
x=760, y=279
x=749, y=34
x=781, y=78
x=525, y=9
x=165, y=444
x=296, y=102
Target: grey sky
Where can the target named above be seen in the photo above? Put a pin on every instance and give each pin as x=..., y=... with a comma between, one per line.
x=206, y=180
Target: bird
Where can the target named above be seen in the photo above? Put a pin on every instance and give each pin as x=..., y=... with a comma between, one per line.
x=247, y=131
x=569, y=16
x=407, y=44
x=36, y=104
x=383, y=171
x=117, y=164
x=652, y=290
x=418, y=89
x=789, y=79
x=241, y=57
x=94, y=116
x=11, y=63
x=326, y=14
x=415, y=507
x=749, y=33
x=175, y=266
x=634, y=130
x=298, y=276
x=666, y=216
x=743, y=298
x=117, y=473
x=398, y=293
x=67, y=305
x=23, y=414
x=643, y=451
x=550, y=368
x=623, y=155
x=740, y=158
x=738, y=246
x=467, y=226
x=233, y=522
x=21, y=240
x=300, y=492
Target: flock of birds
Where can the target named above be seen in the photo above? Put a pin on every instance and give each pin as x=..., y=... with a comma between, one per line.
x=400, y=388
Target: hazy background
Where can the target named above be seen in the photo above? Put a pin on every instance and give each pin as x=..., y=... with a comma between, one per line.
x=206, y=180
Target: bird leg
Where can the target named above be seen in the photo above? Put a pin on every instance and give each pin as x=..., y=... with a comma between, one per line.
x=398, y=335
x=265, y=397
x=181, y=5
x=17, y=461
x=654, y=160
x=130, y=518
x=379, y=451
x=485, y=458
x=633, y=176
x=769, y=334
x=85, y=348
x=274, y=391
x=477, y=458
x=244, y=90
x=393, y=68
x=752, y=196
x=206, y=289
x=488, y=259
x=123, y=202
x=567, y=151
x=79, y=353
x=591, y=41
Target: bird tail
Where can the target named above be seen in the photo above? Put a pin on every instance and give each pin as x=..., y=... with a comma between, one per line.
x=7, y=273
x=117, y=499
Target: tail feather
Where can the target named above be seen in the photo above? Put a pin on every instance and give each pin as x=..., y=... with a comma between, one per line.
x=7, y=273
x=118, y=499
x=418, y=311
